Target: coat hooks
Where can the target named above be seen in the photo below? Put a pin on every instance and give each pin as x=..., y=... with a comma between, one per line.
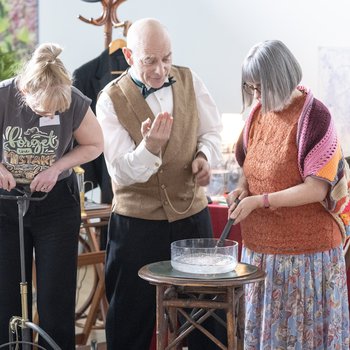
x=108, y=19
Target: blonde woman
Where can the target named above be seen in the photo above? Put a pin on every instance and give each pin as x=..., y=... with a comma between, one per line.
x=40, y=116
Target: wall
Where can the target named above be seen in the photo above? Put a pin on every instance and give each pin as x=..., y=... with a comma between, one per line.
x=210, y=36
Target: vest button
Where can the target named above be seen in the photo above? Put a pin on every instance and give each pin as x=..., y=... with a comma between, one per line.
x=161, y=171
x=163, y=187
x=156, y=164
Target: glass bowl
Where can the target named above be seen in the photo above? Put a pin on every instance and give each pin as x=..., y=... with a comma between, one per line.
x=203, y=256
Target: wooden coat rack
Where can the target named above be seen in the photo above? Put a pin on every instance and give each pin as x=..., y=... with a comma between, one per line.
x=108, y=19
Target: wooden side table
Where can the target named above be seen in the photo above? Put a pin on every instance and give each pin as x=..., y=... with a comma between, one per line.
x=92, y=219
x=176, y=292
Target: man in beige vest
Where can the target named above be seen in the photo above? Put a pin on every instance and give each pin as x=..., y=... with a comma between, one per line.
x=162, y=135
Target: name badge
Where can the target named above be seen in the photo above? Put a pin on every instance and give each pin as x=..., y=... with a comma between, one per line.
x=47, y=121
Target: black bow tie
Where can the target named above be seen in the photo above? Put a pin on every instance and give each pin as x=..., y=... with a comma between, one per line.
x=146, y=92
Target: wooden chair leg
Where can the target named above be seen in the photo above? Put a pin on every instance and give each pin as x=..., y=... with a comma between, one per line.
x=96, y=259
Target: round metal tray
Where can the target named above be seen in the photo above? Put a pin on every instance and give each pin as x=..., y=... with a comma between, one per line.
x=164, y=268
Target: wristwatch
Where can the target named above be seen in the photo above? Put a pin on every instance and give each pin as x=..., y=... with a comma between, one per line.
x=266, y=201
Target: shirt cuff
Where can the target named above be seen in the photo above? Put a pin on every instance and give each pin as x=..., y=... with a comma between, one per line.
x=204, y=149
x=148, y=159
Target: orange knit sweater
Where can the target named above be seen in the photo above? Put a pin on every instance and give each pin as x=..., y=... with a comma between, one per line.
x=270, y=166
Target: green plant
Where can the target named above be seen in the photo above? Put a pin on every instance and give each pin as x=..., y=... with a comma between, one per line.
x=9, y=64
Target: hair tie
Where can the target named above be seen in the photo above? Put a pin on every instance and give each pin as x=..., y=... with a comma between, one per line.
x=50, y=62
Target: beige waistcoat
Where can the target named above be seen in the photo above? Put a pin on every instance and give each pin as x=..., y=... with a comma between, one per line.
x=168, y=194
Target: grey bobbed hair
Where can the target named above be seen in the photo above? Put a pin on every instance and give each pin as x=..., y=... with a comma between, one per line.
x=271, y=65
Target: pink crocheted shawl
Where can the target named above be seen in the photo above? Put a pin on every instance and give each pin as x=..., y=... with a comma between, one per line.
x=319, y=155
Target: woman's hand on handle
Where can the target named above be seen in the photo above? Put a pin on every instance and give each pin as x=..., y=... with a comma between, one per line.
x=312, y=190
x=242, y=208
x=237, y=195
x=45, y=181
x=7, y=181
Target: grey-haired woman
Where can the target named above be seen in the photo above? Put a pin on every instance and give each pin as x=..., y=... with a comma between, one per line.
x=293, y=207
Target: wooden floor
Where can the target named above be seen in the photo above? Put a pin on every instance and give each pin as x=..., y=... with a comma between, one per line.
x=98, y=346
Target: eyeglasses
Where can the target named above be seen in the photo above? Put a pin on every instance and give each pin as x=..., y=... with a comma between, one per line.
x=152, y=60
x=250, y=89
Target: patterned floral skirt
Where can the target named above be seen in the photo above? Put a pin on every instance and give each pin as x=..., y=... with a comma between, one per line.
x=302, y=305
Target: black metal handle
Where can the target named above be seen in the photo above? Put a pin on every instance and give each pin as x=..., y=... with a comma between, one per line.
x=26, y=194
x=225, y=232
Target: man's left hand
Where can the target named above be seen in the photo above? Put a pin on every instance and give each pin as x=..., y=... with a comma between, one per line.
x=201, y=170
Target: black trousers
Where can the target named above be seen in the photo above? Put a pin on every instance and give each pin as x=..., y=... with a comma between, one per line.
x=132, y=244
x=51, y=230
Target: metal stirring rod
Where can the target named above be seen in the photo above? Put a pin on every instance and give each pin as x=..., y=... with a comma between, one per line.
x=225, y=233
x=227, y=229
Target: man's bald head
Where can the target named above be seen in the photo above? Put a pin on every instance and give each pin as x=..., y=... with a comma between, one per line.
x=148, y=51
x=146, y=32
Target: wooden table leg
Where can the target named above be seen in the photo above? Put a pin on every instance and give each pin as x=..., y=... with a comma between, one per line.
x=161, y=327
x=230, y=318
